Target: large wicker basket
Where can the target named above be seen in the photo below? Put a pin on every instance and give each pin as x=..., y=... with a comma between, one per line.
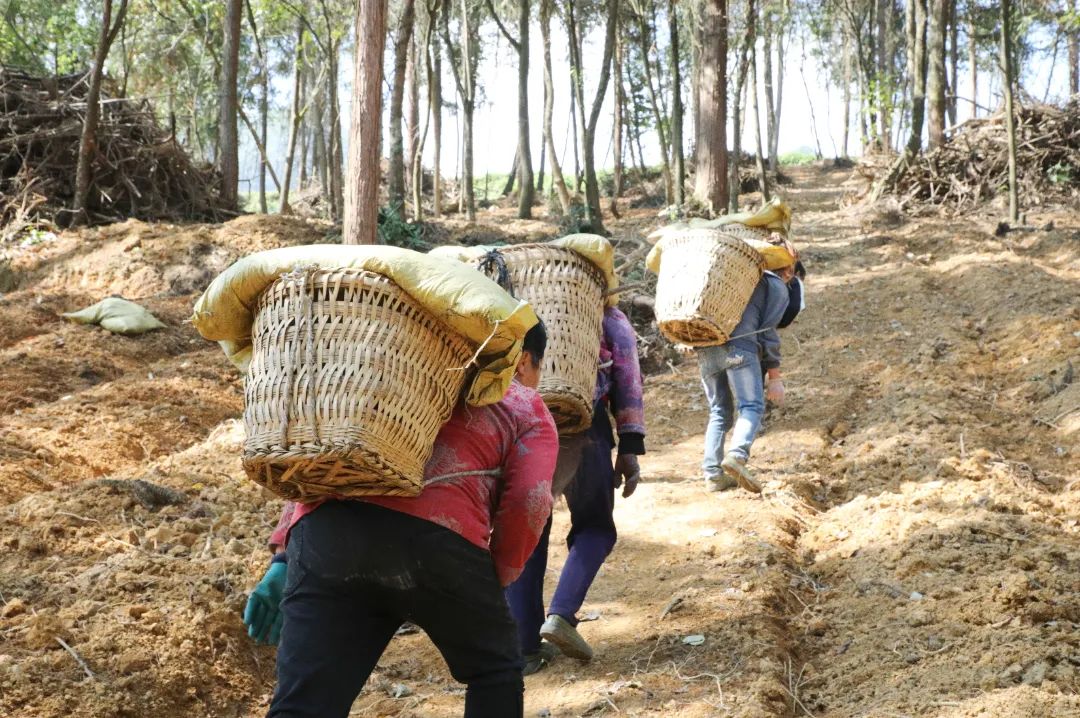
x=350, y=381
x=567, y=292
x=706, y=279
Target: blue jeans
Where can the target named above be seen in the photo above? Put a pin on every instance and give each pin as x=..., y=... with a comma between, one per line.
x=732, y=378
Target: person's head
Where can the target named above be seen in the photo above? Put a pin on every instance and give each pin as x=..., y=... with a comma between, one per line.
x=532, y=356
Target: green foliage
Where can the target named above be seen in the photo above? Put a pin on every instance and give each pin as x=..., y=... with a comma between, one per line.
x=798, y=157
x=48, y=37
x=1062, y=174
x=396, y=231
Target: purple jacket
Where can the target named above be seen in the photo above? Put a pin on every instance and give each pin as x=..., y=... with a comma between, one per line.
x=619, y=382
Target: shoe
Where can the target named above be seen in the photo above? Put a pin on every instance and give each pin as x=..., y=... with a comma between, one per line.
x=538, y=661
x=559, y=631
x=735, y=467
x=723, y=482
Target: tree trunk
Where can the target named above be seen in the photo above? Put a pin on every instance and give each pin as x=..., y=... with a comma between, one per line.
x=617, y=129
x=264, y=106
x=734, y=184
x=645, y=42
x=676, y=106
x=954, y=63
x=763, y=177
x=511, y=177
x=412, y=123
x=778, y=87
x=558, y=182
x=1007, y=81
x=525, y=169
x=539, y=187
x=228, y=152
x=768, y=26
x=296, y=117
x=935, y=78
x=463, y=64
x=1074, y=50
x=402, y=39
x=335, y=155
x=885, y=11
x=435, y=100
x=592, y=187
x=88, y=137
x=362, y=195
x=973, y=58
x=577, y=94
x=846, y=60
x=710, y=142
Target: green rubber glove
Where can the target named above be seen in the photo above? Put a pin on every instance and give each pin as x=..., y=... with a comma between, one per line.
x=262, y=616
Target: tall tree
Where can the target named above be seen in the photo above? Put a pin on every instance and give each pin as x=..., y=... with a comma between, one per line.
x=593, y=213
x=262, y=135
x=676, y=105
x=88, y=137
x=523, y=171
x=935, y=78
x=464, y=58
x=763, y=177
x=645, y=28
x=741, y=67
x=1074, y=47
x=402, y=40
x=296, y=117
x=362, y=193
x=710, y=176
x=228, y=146
x=434, y=86
x=558, y=182
x=1007, y=81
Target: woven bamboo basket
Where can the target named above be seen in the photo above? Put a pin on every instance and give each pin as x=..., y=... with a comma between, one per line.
x=706, y=279
x=350, y=381
x=567, y=292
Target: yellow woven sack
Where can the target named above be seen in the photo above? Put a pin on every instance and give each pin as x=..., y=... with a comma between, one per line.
x=118, y=316
x=463, y=298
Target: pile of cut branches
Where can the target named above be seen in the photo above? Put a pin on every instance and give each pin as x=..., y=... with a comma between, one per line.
x=973, y=165
x=139, y=169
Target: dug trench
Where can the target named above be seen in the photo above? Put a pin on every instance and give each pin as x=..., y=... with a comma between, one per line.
x=914, y=553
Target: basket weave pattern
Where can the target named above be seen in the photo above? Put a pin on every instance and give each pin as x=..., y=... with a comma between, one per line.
x=350, y=382
x=567, y=292
x=706, y=279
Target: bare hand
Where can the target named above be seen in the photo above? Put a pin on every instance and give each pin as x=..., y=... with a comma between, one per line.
x=774, y=391
x=627, y=473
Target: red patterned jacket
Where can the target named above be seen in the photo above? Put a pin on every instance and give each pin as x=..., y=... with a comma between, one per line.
x=504, y=515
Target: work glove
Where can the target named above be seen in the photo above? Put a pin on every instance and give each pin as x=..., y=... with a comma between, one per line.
x=627, y=473
x=774, y=390
x=262, y=616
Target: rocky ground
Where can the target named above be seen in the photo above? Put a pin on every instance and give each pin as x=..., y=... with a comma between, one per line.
x=916, y=551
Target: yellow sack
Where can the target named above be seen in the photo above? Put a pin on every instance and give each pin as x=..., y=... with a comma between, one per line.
x=463, y=298
x=774, y=216
x=592, y=247
x=118, y=316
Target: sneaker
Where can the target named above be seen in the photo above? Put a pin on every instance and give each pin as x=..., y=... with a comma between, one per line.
x=538, y=661
x=723, y=482
x=559, y=631
x=735, y=467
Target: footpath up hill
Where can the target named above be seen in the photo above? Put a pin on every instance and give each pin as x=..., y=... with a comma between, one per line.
x=915, y=552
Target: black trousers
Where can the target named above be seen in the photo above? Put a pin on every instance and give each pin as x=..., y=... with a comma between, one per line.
x=356, y=573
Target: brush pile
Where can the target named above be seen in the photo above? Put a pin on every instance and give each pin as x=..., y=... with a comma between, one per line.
x=139, y=169
x=973, y=165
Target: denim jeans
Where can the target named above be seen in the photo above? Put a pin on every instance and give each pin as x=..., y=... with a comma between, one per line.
x=356, y=573
x=732, y=379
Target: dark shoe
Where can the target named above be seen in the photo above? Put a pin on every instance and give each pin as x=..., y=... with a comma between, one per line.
x=735, y=467
x=559, y=631
x=538, y=661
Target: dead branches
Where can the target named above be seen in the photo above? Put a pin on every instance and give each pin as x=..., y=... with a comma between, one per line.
x=973, y=165
x=138, y=169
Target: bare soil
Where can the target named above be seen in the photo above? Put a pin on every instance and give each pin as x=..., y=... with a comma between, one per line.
x=916, y=551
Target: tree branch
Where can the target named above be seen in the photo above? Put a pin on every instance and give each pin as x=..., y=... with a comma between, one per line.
x=495, y=16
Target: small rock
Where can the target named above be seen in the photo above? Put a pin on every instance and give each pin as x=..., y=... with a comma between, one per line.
x=817, y=627
x=138, y=611
x=400, y=690
x=132, y=662
x=920, y=617
x=1035, y=674
x=934, y=643
x=916, y=596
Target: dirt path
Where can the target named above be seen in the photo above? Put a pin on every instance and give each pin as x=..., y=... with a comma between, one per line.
x=916, y=550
